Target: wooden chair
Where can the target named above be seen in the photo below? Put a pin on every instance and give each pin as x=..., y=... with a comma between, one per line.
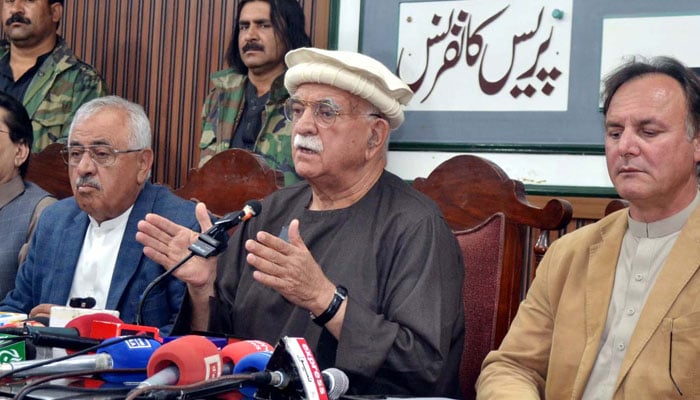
x=490, y=217
x=616, y=204
x=48, y=170
x=229, y=179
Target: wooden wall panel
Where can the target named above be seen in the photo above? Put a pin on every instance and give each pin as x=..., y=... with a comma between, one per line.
x=160, y=53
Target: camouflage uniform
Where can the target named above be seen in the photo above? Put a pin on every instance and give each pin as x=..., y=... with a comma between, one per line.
x=221, y=113
x=59, y=87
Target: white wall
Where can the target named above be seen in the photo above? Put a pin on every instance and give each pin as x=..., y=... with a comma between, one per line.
x=349, y=27
x=531, y=169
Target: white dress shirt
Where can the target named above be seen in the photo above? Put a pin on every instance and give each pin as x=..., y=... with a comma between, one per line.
x=98, y=257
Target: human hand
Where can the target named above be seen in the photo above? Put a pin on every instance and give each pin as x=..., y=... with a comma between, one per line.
x=290, y=269
x=41, y=311
x=167, y=243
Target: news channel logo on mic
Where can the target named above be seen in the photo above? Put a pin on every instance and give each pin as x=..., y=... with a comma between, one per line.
x=11, y=350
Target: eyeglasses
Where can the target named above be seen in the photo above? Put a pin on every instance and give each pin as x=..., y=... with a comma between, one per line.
x=101, y=154
x=324, y=112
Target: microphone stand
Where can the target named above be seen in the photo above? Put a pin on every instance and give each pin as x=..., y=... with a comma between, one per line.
x=210, y=243
x=154, y=283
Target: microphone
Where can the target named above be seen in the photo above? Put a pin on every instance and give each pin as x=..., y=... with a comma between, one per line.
x=251, y=363
x=81, y=363
x=209, y=243
x=183, y=361
x=82, y=302
x=234, y=355
x=228, y=221
x=170, y=375
x=75, y=336
x=335, y=381
x=130, y=353
x=293, y=373
x=214, y=240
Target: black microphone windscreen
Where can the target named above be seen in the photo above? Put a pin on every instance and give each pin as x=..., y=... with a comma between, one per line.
x=255, y=205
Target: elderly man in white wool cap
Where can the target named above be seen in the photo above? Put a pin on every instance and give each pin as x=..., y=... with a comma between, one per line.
x=353, y=259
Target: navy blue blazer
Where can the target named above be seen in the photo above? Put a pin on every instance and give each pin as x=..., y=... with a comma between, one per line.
x=47, y=274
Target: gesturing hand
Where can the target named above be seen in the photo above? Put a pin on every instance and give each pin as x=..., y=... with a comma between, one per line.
x=290, y=269
x=167, y=243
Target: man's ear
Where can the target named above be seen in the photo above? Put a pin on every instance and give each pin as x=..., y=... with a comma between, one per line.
x=696, y=145
x=145, y=160
x=373, y=139
x=21, y=154
x=378, y=135
x=56, y=12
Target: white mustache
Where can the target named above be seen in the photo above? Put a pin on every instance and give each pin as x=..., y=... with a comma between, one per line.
x=312, y=143
x=88, y=181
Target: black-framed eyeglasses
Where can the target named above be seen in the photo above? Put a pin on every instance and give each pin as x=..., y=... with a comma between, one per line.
x=324, y=112
x=101, y=154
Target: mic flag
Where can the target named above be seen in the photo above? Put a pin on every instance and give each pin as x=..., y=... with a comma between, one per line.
x=130, y=353
x=300, y=377
x=234, y=354
x=194, y=358
x=109, y=329
x=215, y=239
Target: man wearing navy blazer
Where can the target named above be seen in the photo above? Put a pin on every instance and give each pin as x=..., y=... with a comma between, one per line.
x=85, y=246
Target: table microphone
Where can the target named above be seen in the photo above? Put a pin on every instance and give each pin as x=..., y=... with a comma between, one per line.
x=231, y=354
x=130, y=353
x=255, y=362
x=76, y=335
x=210, y=243
x=335, y=381
x=293, y=373
x=183, y=361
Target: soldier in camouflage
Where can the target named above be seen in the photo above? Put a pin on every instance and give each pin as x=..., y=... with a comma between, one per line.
x=244, y=109
x=40, y=70
x=222, y=111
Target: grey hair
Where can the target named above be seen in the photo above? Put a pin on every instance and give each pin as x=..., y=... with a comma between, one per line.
x=139, y=126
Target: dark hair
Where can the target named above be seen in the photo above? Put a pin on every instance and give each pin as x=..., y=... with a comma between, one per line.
x=19, y=125
x=689, y=81
x=287, y=19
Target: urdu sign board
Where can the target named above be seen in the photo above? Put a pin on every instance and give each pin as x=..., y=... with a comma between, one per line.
x=486, y=55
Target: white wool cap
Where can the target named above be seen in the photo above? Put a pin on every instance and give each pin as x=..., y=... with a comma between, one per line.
x=356, y=73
